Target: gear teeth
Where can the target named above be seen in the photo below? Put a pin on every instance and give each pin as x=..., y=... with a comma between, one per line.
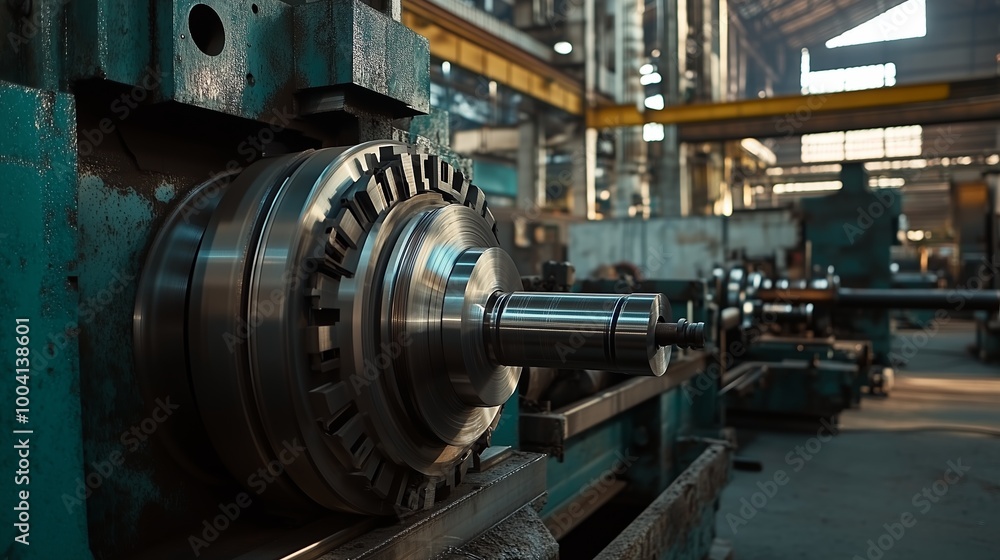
x=380, y=181
x=445, y=172
x=460, y=186
x=357, y=168
x=366, y=461
x=330, y=398
x=431, y=173
x=381, y=481
x=349, y=228
x=475, y=199
x=371, y=162
x=345, y=432
x=371, y=200
x=411, y=174
x=320, y=338
x=324, y=291
x=488, y=215
x=391, y=184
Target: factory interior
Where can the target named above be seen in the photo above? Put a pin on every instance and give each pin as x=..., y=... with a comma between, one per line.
x=500, y=279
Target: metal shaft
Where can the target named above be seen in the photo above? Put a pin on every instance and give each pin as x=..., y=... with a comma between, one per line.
x=682, y=334
x=620, y=333
x=974, y=300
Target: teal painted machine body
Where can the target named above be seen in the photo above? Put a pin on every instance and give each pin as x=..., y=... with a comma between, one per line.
x=800, y=378
x=40, y=281
x=272, y=55
x=853, y=231
x=847, y=352
x=640, y=446
x=797, y=390
x=113, y=111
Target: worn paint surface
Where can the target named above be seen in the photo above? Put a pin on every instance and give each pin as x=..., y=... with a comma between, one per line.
x=638, y=445
x=382, y=55
x=38, y=276
x=680, y=523
x=270, y=49
x=586, y=457
x=506, y=432
x=114, y=227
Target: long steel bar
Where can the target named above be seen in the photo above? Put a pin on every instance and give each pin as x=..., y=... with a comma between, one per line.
x=974, y=300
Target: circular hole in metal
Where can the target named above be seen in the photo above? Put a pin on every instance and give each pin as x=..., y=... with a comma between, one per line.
x=206, y=29
x=255, y=8
x=250, y=79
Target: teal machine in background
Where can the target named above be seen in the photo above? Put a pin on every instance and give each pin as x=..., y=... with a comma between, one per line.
x=853, y=231
x=114, y=113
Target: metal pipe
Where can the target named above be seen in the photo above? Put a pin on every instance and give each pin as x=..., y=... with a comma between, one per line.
x=976, y=300
x=874, y=298
x=620, y=333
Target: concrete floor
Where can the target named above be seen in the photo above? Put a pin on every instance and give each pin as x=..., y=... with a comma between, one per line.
x=853, y=495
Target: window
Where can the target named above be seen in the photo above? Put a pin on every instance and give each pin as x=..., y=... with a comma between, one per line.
x=653, y=132
x=873, y=143
x=845, y=79
x=906, y=21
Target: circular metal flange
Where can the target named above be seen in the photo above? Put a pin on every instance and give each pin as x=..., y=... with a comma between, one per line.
x=158, y=327
x=477, y=276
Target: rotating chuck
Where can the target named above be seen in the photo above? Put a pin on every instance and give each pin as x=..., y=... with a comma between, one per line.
x=356, y=302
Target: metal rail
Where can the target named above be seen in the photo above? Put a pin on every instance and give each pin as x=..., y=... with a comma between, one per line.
x=550, y=430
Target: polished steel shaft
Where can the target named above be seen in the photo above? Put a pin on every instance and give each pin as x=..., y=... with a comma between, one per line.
x=620, y=333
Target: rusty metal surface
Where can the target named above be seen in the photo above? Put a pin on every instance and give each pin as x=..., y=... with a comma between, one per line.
x=676, y=520
x=489, y=498
x=522, y=536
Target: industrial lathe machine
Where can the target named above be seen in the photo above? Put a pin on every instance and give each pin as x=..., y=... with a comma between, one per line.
x=792, y=358
x=257, y=309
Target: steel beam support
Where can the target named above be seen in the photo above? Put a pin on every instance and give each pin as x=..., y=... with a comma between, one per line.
x=479, y=51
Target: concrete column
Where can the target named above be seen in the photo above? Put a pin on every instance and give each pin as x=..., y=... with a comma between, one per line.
x=670, y=188
x=530, y=166
x=631, y=184
x=584, y=166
